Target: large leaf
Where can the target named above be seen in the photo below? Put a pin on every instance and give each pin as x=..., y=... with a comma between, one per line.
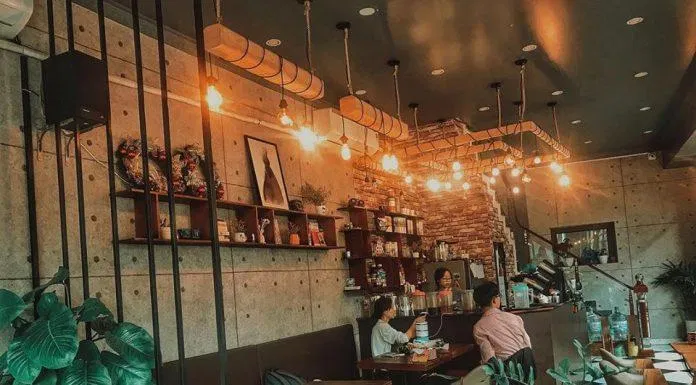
x=47, y=303
x=61, y=275
x=133, y=343
x=558, y=376
x=123, y=373
x=92, y=309
x=3, y=363
x=52, y=341
x=47, y=377
x=85, y=373
x=88, y=351
x=11, y=306
x=18, y=363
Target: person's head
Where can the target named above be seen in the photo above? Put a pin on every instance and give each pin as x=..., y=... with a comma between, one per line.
x=487, y=295
x=443, y=278
x=384, y=308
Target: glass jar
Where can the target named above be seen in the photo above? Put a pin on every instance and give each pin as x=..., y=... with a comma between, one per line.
x=618, y=326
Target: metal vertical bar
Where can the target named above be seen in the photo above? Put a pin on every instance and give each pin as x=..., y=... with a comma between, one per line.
x=29, y=166
x=170, y=193
x=60, y=173
x=212, y=198
x=71, y=30
x=146, y=178
x=115, y=246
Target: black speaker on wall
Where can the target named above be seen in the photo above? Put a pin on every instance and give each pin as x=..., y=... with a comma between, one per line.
x=75, y=88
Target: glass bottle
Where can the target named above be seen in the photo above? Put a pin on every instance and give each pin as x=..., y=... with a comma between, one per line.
x=618, y=326
x=594, y=325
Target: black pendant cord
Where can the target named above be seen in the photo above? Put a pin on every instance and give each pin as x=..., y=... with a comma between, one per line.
x=69, y=22
x=212, y=199
x=29, y=166
x=60, y=172
x=115, y=246
x=170, y=194
x=148, y=197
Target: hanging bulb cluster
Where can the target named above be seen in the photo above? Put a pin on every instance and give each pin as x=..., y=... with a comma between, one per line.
x=433, y=184
x=390, y=163
x=408, y=179
x=308, y=138
x=213, y=96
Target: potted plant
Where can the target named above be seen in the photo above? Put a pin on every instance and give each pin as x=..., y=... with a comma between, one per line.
x=239, y=228
x=46, y=349
x=315, y=196
x=681, y=277
x=294, y=231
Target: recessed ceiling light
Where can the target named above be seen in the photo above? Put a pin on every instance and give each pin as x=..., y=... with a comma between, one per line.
x=646, y=108
x=557, y=92
x=577, y=121
x=588, y=141
x=367, y=11
x=437, y=71
x=647, y=132
x=641, y=74
x=529, y=48
x=634, y=21
x=484, y=108
x=360, y=92
x=273, y=42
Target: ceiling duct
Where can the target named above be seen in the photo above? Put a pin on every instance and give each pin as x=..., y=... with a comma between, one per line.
x=14, y=15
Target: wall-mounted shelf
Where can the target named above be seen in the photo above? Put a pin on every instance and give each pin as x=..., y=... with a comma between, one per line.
x=251, y=215
x=387, y=213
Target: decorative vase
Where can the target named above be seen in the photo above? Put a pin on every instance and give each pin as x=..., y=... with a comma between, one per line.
x=322, y=209
x=294, y=239
x=166, y=233
x=240, y=237
x=603, y=259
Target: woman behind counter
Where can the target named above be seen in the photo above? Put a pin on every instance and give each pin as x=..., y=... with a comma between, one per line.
x=443, y=280
x=383, y=334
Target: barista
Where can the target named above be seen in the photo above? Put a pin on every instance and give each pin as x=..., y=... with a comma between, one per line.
x=443, y=281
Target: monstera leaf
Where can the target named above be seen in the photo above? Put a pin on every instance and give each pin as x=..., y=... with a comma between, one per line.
x=133, y=343
x=61, y=275
x=47, y=377
x=51, y=341
x=88, y=351
x=47, y=302
x=18, y=363
x=92, y=309
x=85, y=373
x=11, y=306
x=123, y=373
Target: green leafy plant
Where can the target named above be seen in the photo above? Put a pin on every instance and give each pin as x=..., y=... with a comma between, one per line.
x=47, y=351
x=589, y=371
x=682, y=277
x=496, y=370
x=314, y=195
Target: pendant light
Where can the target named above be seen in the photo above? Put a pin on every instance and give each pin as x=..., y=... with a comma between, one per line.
x=466, y=186
x=345, y=148
x=285, y=120
x=390, y=162
x=213, y=96
x=555, y=165
x=521, y=109
x=458, y=175
x=408, y=179
x=495, y=171
x=433, y=184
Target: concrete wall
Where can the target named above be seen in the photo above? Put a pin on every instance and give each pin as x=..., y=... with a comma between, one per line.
x=655, y=218
x=269, y=294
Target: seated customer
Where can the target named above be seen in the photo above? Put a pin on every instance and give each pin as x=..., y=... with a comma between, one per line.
x=383, y=335
x=501, y=334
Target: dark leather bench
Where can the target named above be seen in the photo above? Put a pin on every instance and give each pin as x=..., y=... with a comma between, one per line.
x=326, y=354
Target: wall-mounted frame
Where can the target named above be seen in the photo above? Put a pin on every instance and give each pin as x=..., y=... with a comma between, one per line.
x=593, y=243
x=268, y=173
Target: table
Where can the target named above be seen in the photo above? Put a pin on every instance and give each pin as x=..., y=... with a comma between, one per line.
x=372, y=382
x=402, y=364
x=688, y=351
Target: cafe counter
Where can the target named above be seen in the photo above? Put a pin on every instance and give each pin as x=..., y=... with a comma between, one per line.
x=551, y=330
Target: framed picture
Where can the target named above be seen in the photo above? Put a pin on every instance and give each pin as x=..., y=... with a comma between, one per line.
x=322, y=240
x=267, y=172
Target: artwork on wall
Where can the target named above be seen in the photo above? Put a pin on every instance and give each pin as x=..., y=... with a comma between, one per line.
x=268, y=173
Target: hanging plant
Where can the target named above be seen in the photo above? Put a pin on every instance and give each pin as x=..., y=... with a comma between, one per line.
x=46, y=350
x=131, y=166
x=192, y=165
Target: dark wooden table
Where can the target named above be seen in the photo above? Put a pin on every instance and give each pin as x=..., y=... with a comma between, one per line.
x=688, y=351
x=370, y=382
x=403, y=364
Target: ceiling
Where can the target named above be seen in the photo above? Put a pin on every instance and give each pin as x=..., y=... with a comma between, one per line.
x=585, y=48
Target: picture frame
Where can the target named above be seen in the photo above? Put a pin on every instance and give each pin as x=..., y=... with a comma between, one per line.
x=267, y=172
x=322, y=240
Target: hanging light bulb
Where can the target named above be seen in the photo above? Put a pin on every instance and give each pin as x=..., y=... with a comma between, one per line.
x=564, y=180
x=526, y=178
x=491, y=180
x=308, y=138
x=456, y=166
x=515, y=172
x=213, y=96
x=433, y=184
x=386, y=162
x=394, y=162
x=537, y=159
x=509, y=160
x=515, y=190
x=458, y=175
x=408, y=179
x=345, y=151
x=448, y=186
x=285, y=120
x=556, y=167
x=466, y=185
x=495, y=171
